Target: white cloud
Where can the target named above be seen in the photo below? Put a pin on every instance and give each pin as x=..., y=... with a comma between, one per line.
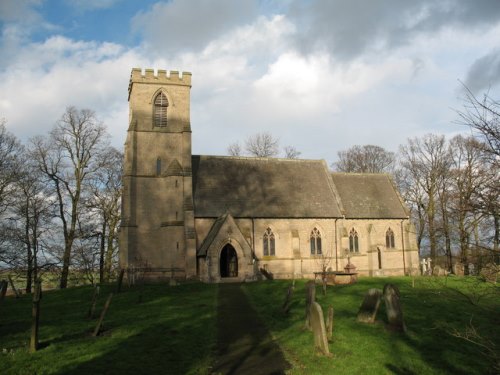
x=61, y=72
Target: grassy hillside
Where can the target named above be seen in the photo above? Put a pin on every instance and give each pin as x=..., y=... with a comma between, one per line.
x=162, y=329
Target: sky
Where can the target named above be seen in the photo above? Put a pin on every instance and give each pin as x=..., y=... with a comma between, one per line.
x=321, y=76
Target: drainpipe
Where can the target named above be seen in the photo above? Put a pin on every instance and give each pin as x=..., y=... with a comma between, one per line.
x=403, y=247
x=336, y=247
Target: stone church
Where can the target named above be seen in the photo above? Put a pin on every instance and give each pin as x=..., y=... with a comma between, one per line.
x=224, y=218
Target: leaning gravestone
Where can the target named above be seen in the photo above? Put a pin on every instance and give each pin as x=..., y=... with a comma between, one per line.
x=393, y=308
x=310, y=298
x=318, y=328
x=98, y=327
x=368, y=310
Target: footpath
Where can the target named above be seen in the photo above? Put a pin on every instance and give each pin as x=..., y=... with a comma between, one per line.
x=244, y=346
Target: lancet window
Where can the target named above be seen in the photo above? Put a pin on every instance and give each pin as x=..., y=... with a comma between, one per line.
x=389, y=239
x=160, y=110
x=353, y=241
x=315, y=240
x=269, y=243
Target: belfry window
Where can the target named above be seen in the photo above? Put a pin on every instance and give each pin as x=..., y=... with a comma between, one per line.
x=353, y=241
x=269, y=242
x=160, y=110
x=315, y=242
x=389, y=239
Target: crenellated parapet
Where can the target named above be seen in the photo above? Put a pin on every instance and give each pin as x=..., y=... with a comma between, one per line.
x=160, y=76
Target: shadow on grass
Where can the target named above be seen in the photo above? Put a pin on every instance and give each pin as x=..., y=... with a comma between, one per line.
x=244, y=345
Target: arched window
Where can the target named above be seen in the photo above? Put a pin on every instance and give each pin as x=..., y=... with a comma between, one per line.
x=353, y=241
x=315, y=242
x=160, y=110
x=268, y=242
x=389, y=239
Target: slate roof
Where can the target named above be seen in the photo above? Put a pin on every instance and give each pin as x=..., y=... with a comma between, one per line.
x=262, y=187
x=369, y=196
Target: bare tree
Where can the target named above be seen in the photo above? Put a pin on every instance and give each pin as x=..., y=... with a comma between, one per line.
x=291, y=152
x=426, y=162
x=482, y=115
x=105, y=201
x=365, y=159
x=262, y=145
x=234, y=149
x=34, y=210
x=10, y=154
x=68, y=157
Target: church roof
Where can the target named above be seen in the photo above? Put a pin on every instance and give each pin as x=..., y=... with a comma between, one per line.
x=369, y=196
x=262, y=187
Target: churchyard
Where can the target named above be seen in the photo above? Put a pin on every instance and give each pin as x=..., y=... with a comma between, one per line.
x=449, y=325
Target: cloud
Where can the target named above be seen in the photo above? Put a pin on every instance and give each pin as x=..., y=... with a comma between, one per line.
x=178, y=26
x=484, y=72
x=350, y=29
x=85, y=5
x=47, y=77
x=19, y=10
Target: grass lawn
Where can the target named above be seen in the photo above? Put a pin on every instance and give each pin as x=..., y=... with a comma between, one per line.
x=172, y=330
x=433, y=309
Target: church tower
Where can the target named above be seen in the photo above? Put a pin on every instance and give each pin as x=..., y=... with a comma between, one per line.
x=157, y=228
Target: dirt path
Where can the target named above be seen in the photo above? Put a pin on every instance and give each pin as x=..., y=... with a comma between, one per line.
x=244, y=346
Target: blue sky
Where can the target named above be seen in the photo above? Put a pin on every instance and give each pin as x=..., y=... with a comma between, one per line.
x=320, y=75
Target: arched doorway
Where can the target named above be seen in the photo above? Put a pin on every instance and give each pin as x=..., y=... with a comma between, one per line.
x=228, y=262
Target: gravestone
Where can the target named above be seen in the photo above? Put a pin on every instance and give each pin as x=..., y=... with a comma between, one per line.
x=318, y=328
x=98, y=327
x=368, y=310
x=288, y=300
x=490, y=272
x=423, y=263
x=310, y=298
x=393, y=308
x=459, y=269
x=16, y=292
x=438, y=271
x=429, y=266
x=329, y=323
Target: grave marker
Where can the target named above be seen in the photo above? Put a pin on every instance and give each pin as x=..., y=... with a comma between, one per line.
x=393, y=308
x=16, y=292
x=310, y=298
x=368, y=310
x=103, y=314
x=318, y=328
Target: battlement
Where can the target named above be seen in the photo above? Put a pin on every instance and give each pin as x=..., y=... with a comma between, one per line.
x=160, y=76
